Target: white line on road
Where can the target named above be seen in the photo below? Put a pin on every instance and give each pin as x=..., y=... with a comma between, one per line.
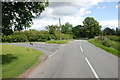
x=61, y=45
x=56, y=51
x=92, y=69
x=81, y=48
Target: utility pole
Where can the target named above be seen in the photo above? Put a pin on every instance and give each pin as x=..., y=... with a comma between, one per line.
x=60, y=28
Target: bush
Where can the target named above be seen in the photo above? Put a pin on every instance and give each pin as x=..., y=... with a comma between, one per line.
x=114, y=38
x=42, y=37
x=106, y=43
x=33, y=35
x=109, y=41
x=15, y=38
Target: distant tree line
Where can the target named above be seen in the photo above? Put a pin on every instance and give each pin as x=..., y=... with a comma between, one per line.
x=109, y=31
x=17, y=16
x=89, y=29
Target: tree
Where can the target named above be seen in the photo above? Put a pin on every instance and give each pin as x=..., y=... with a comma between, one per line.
x=92, y=27
x=66, y=28
x=19, y=15
x=78, y=31
x=52, y=29
x=108, y=31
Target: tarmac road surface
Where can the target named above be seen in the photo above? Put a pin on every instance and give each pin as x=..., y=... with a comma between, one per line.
x=78, y=59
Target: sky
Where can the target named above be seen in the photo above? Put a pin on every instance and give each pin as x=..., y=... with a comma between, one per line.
x=74, y=12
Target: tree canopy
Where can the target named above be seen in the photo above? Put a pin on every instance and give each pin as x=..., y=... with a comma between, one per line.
x=92, y=27
x=66, y=28
x=19, y=15
x=108, y=31
x=78, y=31
x=52, y=29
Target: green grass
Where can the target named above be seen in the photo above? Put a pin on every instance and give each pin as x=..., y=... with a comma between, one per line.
x=58, y=41
x=17, y=59
x=108, y=49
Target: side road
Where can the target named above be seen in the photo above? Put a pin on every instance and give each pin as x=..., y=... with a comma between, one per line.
x=46, y=48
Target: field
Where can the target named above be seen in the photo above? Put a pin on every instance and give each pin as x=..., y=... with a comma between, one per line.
x=108, y=43
x=17, y=59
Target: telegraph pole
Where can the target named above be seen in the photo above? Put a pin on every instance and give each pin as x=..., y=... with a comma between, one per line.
x=60, y=28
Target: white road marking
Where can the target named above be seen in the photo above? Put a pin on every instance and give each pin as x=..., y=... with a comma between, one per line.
x=92, y=69
x=81, y=48
x=60, y=45
x=56, y=51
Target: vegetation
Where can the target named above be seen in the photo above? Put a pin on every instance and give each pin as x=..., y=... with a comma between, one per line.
x=108, y=31
x=53, y=32
x=19, y=15
x=17, y=59
x=66, y=28
x=108, y=43
x=34, y=35
x=78, y=31
x=58, y=41
x=92, y=27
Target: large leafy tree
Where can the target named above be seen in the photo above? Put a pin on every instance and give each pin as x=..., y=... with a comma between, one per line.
x=52, y=29
x=19, y=15
x=66, y=28
x=78, y=31
x=92, y=27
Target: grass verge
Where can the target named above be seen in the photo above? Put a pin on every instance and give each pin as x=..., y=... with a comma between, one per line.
x=108, y=49
x=58, y=41
x=17, y=59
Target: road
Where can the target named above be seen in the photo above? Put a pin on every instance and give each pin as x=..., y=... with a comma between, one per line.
x=77, y=59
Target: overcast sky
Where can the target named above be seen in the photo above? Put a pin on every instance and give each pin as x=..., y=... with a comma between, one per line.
x=74, y=12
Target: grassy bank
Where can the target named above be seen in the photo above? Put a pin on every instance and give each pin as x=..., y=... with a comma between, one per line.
x=17, y=59
x=111, y=49
x=58, y=41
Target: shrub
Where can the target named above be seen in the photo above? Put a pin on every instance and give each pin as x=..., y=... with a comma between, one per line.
x=109, y=41
x=106, y=43
x=42, y=37
x=15, y=38
x=33, y=35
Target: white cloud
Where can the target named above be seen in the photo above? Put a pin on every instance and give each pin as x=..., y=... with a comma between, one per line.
x=69, y=11
x=116, y=6
x=74, y=20
x=40, y=24
x=112, y=24
x=61, y=9
x=98, y=7
x=101, y=7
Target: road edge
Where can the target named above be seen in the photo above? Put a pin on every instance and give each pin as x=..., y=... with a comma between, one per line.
x=42, y=58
